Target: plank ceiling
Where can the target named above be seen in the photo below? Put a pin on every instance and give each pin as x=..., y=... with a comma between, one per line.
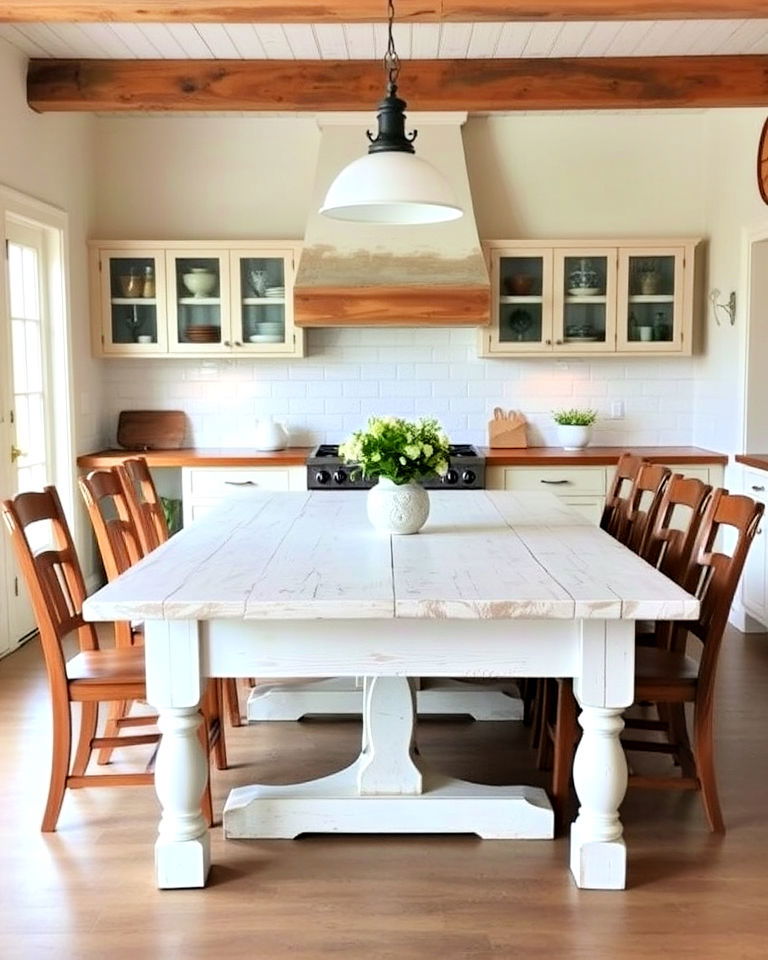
x=366, y=41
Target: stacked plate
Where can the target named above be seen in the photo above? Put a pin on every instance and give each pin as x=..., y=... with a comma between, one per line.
x=203, y=333
x=268, y=332
x=273, y=292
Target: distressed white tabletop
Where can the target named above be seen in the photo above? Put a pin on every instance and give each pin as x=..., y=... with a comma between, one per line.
x=481, y=555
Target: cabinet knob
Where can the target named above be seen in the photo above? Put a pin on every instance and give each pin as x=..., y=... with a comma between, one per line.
x=758, y=490
x=237, y=343
x=558, y=342
x=227, y=343
x=548, y=343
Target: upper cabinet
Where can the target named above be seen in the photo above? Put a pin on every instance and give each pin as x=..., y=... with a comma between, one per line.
x=179, y=299
x=606, y=298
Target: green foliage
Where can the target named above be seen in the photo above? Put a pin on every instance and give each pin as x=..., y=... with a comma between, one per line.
x=400, y=450
x=172, y=511
x=574, y=417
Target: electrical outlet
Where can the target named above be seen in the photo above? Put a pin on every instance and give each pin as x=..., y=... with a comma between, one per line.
x=617, y=410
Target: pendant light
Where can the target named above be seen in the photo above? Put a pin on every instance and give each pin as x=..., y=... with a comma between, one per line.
x=391, y=185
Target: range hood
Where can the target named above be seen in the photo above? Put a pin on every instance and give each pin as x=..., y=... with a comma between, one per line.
x=359, y=274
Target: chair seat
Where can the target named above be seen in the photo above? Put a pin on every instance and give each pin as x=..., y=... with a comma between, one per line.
x=118, y=665
x=664, y=672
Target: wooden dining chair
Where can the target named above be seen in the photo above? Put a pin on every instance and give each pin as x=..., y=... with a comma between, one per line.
x=642, y=505
x=146, y=509
x=668, y=678
x=57, y=590
x=143, y=503
x=617, y=498
x=106, y=497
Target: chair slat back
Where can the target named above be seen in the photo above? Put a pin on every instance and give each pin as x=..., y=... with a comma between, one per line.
x=643, y=504
x=116, y=535
x=669, y=547
x=144, y=503
x=713, y=576
x=617, y=499
x=52, y=575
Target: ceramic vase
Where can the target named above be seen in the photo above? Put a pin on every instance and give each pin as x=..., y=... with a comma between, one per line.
x=397, y=508
x=573, y=437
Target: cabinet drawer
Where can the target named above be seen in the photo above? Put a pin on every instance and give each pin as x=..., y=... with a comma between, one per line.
x=217, y=482
x=756, y=485
x=558, y=480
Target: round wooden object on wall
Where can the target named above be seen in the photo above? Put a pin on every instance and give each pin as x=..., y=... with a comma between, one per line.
x=762, y=163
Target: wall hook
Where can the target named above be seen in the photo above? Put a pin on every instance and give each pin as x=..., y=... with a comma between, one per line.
x=729, y=307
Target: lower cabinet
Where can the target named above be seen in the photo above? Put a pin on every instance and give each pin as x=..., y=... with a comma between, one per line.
x=583, y=488
x=754, y=594
x=205, y=487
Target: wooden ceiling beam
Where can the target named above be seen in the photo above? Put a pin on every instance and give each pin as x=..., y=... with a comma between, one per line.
x=366, y=11
x=323, y=85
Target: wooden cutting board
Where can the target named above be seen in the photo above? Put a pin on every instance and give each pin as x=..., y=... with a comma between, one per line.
x=151, y=429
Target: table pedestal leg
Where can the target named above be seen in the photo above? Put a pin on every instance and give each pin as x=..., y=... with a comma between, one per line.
x=387, y=764
x=182, y=850
x=598, y=852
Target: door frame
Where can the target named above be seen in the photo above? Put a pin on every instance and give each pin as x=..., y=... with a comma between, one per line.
x=54, y=225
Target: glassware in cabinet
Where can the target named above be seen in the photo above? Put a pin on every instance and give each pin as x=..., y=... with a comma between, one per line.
x=651, y=299
x=132, y=301
x=521, y=301
x=261, y=318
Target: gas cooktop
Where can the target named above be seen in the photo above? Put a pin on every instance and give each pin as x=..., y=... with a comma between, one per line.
x=327, y=471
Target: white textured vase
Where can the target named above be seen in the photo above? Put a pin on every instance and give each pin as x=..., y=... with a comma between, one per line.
x=398, y=508
x=573, y=437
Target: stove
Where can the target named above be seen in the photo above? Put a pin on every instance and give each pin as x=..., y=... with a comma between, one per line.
x=327, y=471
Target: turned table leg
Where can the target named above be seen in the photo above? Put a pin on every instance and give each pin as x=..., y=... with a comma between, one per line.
x=174, y=688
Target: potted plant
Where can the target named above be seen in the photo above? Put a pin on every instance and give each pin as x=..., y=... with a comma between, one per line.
x=397, y=453
x=574, y=427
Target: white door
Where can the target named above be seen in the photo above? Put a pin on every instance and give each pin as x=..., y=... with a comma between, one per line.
x=27, y=437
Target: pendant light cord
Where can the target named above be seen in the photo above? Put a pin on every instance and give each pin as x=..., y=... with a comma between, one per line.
x=391, y=59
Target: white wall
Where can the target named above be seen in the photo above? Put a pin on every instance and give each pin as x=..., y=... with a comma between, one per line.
x=50, y=157
x=531, y=175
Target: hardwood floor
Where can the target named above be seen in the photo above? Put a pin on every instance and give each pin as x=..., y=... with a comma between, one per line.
x=88, y=892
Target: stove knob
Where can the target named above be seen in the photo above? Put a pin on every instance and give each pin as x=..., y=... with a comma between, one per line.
x=468, y=476
x=322, y=477
x=452, y=477
x=340, y=476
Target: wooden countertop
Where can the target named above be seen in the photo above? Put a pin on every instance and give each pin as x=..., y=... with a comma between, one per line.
x=758, y=460
x=596, y=456
x=200, y=457
x=297, y=456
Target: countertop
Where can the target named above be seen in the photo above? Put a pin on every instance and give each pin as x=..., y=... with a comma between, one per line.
x=296, y=457
x=596, y=456
x=758, y=460
x=200, y=457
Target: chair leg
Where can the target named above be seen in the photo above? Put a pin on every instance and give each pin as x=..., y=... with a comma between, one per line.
x=231, y=700
x=566, y=731
x=89, y=715
x=703, y=751
x=62, y=744
x=220, y=743
x=544, y=750
x=117, y=710
x=678, y=729
x=536, y=712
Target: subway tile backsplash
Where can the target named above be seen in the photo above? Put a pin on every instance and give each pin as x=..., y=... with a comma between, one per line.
x=353, y=373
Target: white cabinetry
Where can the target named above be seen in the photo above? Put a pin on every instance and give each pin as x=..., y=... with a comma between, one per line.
x=205, y=487
x=754, y=591
x=606, y=297
x=581, y=487
x=176, y=299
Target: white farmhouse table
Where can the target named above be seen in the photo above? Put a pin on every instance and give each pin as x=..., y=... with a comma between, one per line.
x=497, y=584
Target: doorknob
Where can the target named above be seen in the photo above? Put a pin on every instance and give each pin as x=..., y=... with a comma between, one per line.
x=16, y=453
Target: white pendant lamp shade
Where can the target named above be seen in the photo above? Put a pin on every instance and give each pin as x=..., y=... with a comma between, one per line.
x=391, y=187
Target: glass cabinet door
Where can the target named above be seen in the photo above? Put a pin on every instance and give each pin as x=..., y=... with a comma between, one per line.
x=133, y=302
x=198, y=307
x=261, y=300
x=650, y=299
x=585, y=300
x=522, y=301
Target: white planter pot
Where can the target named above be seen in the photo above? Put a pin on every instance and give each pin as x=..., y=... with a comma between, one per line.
x=573, y=437
x=394, y=508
